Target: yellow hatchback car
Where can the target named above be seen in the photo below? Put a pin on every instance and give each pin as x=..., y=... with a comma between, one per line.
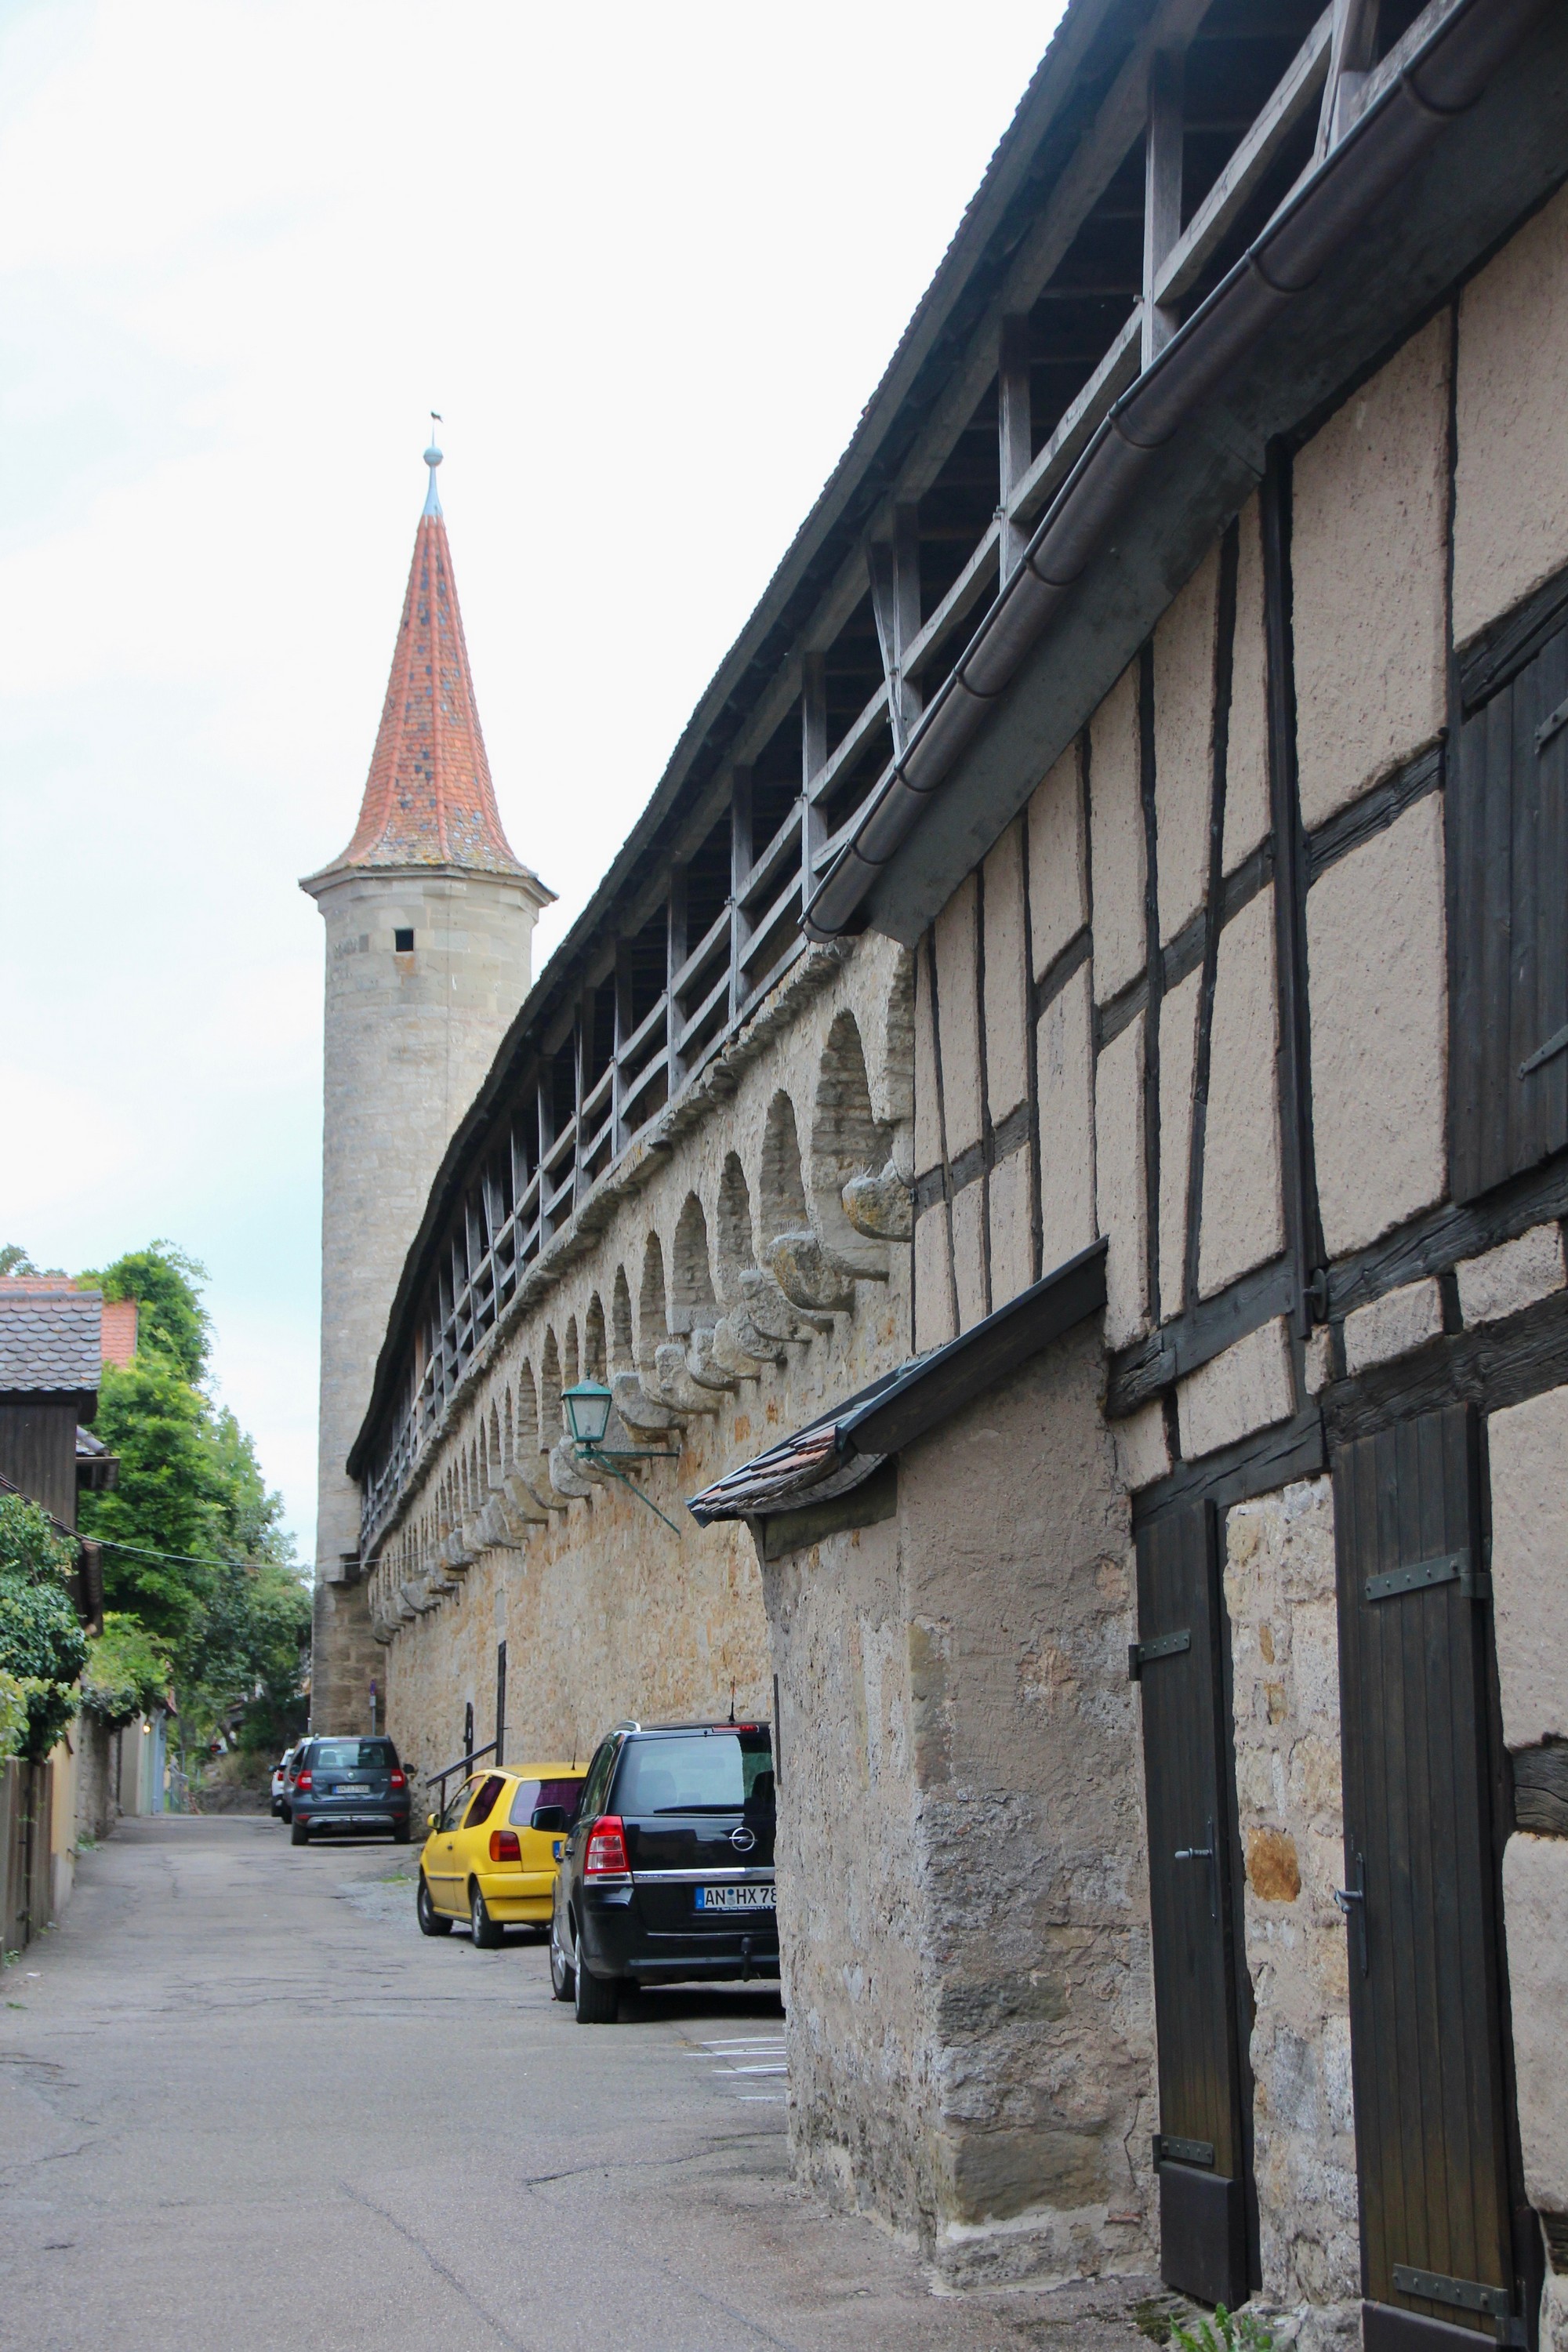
x=484, y=1860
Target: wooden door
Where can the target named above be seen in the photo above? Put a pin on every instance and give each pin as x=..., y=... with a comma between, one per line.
x=1207, y=2205
x=1433, y=2097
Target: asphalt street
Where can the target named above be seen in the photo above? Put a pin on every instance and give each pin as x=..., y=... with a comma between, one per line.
x=244, y=2104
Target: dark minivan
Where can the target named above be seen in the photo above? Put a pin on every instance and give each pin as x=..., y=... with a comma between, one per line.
x=347, y=1784
x=667, y=1870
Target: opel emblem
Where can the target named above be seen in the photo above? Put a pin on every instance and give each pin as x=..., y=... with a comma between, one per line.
x=742, y=1839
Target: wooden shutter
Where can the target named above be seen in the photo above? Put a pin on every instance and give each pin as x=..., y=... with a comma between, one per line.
x=1426, y=2008
x=1208, y=2206
x=1508, y=816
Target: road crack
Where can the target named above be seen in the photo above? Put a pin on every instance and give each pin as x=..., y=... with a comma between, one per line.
x=358, y=2197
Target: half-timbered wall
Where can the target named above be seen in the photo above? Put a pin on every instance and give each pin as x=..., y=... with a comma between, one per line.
x=1215, y=994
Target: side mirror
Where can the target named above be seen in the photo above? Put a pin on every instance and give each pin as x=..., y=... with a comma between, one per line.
x=429, y=1820
x=549, y=1818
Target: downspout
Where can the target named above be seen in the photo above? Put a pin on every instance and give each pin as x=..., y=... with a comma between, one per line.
x=1445, y=78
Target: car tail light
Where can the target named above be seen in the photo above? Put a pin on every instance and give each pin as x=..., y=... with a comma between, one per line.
x=304, y=1781
x=606, y=1853
x=504, y=1846
x=399, y=1781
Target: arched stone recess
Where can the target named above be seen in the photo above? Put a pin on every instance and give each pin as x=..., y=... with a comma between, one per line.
x=858, y=1203
x=692, y=1299
x=550, y=1386
x=571, y=1366
x=622, y=1352
x=892, y=1070
x=596, y=1357
x=737, y=1251
x=791, y=1252
x=653, y=1328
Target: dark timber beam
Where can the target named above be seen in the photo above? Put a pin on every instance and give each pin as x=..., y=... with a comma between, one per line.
x=1015, y=432
x=674, y=956
x=740, y=854
x=813, y=759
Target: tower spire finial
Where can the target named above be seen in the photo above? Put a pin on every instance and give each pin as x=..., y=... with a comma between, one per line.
x=433, y=458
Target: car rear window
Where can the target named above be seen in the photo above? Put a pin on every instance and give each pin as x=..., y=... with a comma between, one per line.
x=530, y=1793
x=714, y=1772
x=355, y=1755
x=481, y=1810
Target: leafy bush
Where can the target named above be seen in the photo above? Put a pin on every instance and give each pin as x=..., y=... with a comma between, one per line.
x=42, y=1647
x=126, y=1673
x=1227, y=2331
x=13, y=1714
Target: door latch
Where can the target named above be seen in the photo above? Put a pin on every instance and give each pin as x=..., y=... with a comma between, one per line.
x=1351, y=1901
x=1204, y=1853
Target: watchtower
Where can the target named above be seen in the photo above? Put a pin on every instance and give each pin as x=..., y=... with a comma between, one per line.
x=430, y=919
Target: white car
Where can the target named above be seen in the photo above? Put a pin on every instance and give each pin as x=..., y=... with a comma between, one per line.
x=279, y=1776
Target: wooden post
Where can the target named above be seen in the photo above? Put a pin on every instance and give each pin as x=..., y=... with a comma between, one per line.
x=1162, y=194
x=742, y=848
x=813, y=759
x=623, y=985
x=545, y=1097
x=674, y=956
x=1352, y=56
x=1013, y=431
x=895, y=576
x=582, y=1055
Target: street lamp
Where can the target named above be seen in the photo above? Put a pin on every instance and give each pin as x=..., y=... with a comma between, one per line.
x=588, y=1411
x=588, y=1417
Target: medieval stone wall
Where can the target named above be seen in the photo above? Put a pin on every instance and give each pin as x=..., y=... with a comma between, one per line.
x=666, y=1289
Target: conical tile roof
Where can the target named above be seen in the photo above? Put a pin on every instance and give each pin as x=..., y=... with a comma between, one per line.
x=429, y=800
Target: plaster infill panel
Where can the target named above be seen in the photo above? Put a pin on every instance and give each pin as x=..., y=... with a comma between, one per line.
x=928, y=1122
x=1511, y=489
x=958, y=1016
x=1065, y=1043
x=1011, y=1253
x=1059, y=875
x=1368, y=568
x=1117, y=843
x=1535, y=1917
x=1184, y=746
x=969, y=1240
x=1249, y=1386
x=1243, y=1214
x=1122, y=1183
x=1006, y=977
x=1378, y=986
x=1528, y=1446
x=1247, y=812
x=935, y=1316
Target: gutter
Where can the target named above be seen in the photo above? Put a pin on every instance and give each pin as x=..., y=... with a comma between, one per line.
x=1444, y=78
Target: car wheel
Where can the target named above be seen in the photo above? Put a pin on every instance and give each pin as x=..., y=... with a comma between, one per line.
x=277, y=1808
x=285, y=1812
x=486, y=1934
x=300, y=1833
x=599, y=1999
x=431, y=1921
x=561, y=1976
x=400, y=1833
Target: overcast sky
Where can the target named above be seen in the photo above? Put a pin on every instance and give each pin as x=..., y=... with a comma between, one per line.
x=648, y=263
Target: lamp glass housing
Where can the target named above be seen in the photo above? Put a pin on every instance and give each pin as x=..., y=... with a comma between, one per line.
x=588, y=1412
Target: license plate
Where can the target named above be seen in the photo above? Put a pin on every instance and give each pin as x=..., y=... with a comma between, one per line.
x=353, y=1789
x=735, y=1898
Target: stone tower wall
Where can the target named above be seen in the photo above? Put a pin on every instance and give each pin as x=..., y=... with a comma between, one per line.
x=409, y=1039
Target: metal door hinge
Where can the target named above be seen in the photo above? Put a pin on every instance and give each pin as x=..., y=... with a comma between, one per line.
x=1556, y=1044
x=1464, y=2294
x=1168, y=2148
x=1553, y=724
x=1445, y=1568
x=1164, y=1646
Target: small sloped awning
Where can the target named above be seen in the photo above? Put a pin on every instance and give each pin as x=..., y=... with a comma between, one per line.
x=840, y=1449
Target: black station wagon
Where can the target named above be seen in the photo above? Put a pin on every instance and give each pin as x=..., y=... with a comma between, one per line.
x=666, y=1867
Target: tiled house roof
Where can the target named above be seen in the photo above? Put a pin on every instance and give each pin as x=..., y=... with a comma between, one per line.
x=50, y=1339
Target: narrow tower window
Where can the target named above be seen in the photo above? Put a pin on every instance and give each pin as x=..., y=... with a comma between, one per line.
x=403, y=942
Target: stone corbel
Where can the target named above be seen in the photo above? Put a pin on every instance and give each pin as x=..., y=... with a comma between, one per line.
x=523, y=1502
x=808, y=1274
x=882, y=1207
x=498, y=1528
x=675, y=1384
x=771, y=1312
x=566, y=1473
x=740, y=1348
x=417, y=1593
x=646, y=1416
x=700, y=1363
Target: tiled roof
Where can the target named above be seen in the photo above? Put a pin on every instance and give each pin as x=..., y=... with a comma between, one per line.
x=50, y=1339
x=429, y=800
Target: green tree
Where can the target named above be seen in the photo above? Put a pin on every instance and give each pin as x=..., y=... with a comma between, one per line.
x=172, y=1323
x=13, y=1259
x=42, y=1645
x=126, y=1673
x=167, y=1507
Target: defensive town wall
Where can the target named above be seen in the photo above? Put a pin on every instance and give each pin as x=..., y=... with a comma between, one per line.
x=505, y=1538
